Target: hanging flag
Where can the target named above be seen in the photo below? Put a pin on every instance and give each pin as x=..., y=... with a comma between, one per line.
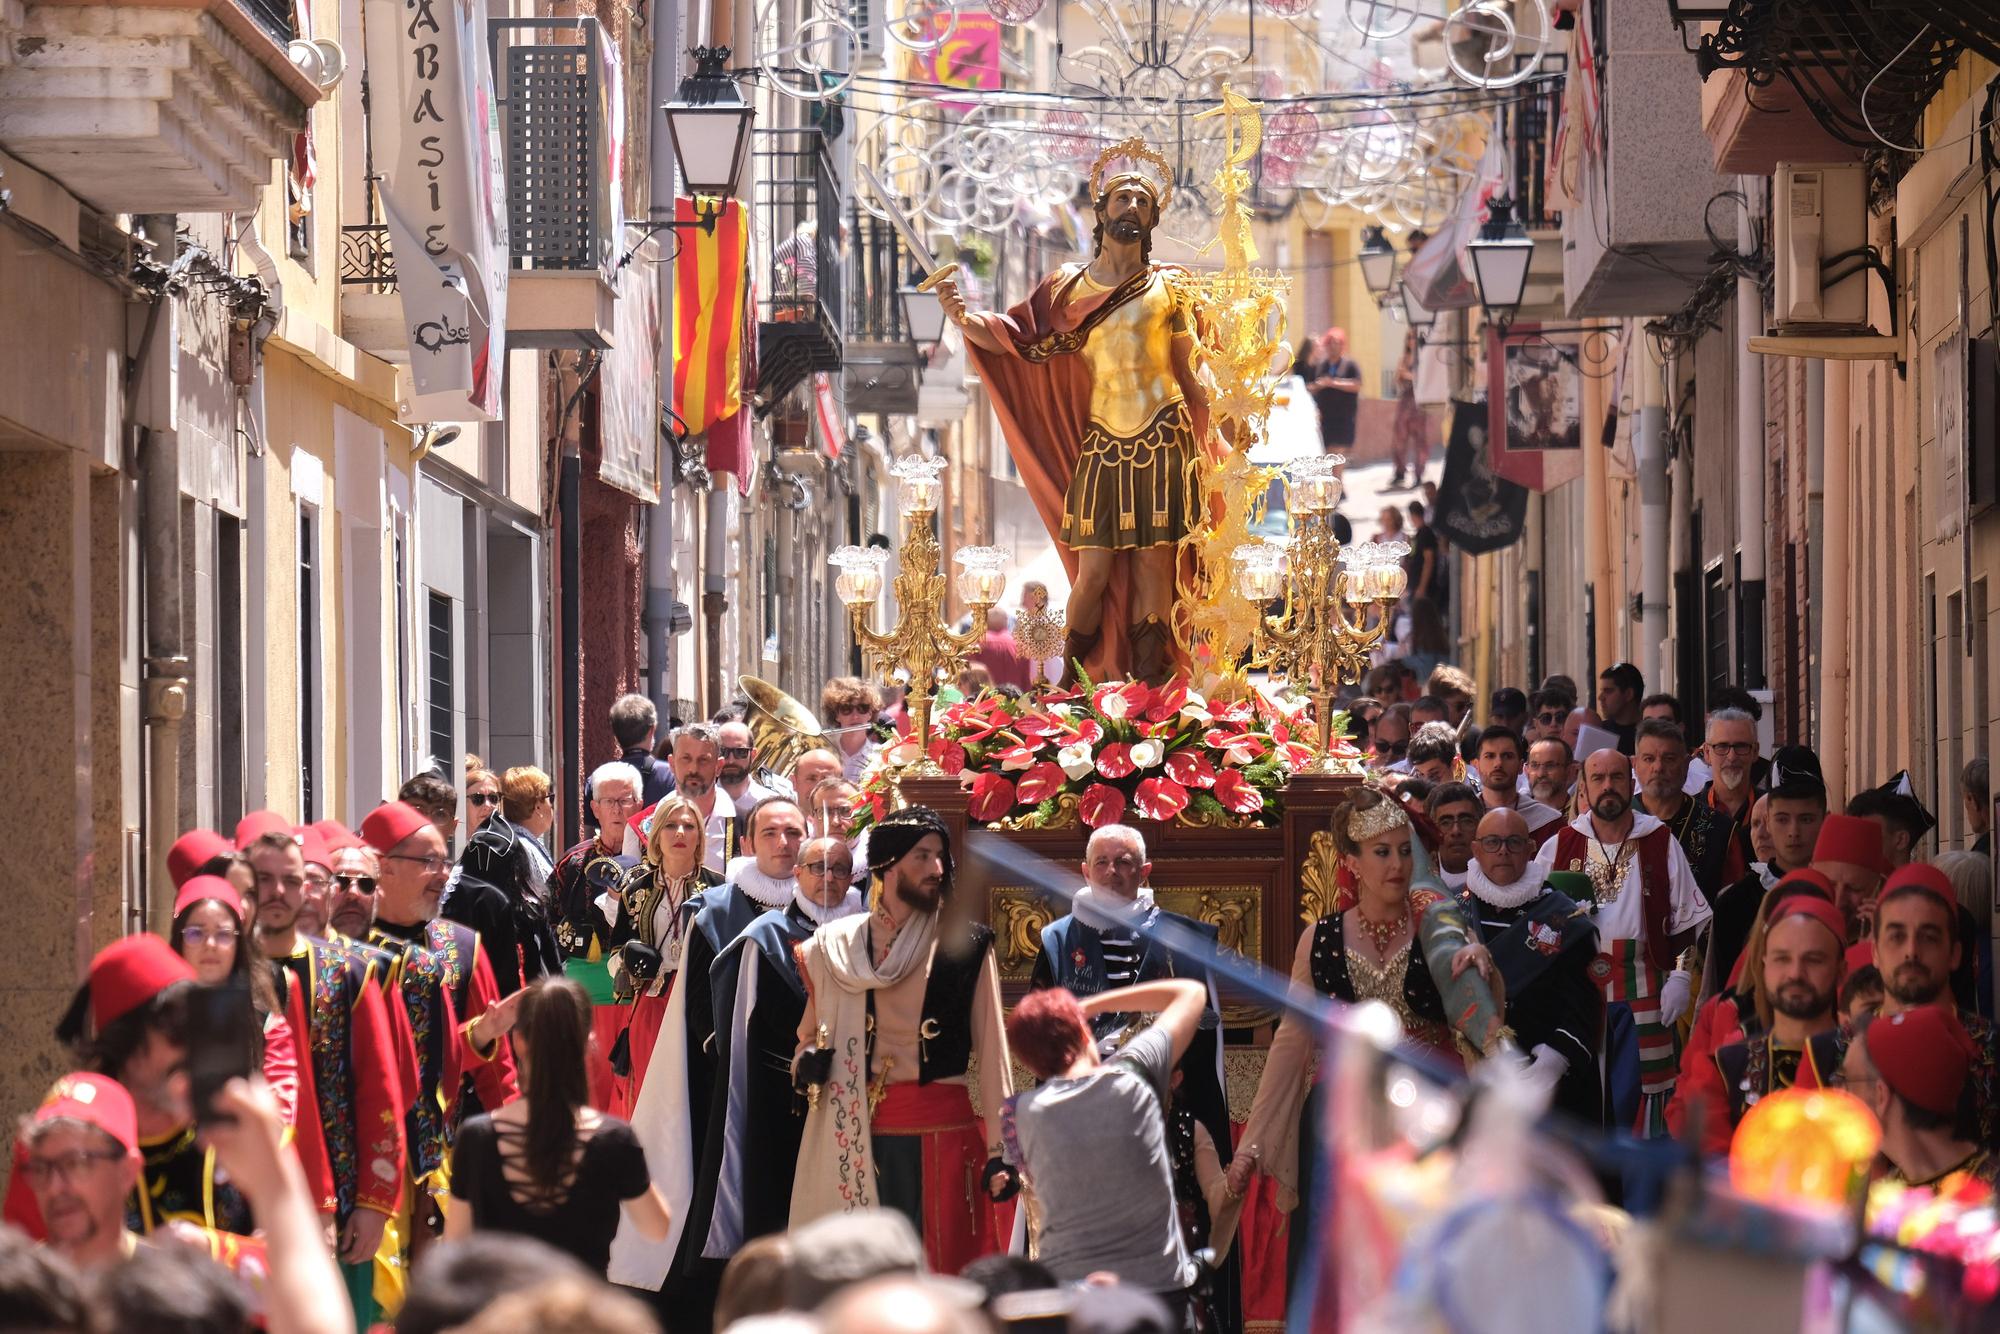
x=1441, y=274
x=709, y=277
x=1477, y=511
x=443, y=193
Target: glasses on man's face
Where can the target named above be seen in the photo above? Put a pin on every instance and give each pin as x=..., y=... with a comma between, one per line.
x=67, y=1166
x=482, y=798
x=618, y=803
x=196, y=936
x=839, y=870
x=854, y=711
x=433, y=863
x=1468, y=821
x=1506, y=843
x=1552, y=717
x=357, y=884
x=1397, y=749
x=736, y=752
x=1732, y=747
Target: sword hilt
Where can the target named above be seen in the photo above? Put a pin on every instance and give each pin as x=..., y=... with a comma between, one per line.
x=937, y=276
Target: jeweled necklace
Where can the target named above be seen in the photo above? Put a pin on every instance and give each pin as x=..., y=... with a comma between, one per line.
x=1383, y=934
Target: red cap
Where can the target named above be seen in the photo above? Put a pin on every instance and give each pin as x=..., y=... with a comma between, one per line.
x=95, y=1100
x=1924, y=876
x=1860, y=955
x=1923, y=1054
x=1806, y=875
x=259, y=823
x=313, y=846
x=391, y=823
x=337, y=835
x=194, y=850
x=204, y=887
x=129, y=972
x=1805, y=905
x=1852, y=839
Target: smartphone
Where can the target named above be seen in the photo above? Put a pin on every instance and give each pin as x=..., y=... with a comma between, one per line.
x=222, y=1035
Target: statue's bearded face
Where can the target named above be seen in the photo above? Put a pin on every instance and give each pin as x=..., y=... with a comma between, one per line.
x=1127, y=213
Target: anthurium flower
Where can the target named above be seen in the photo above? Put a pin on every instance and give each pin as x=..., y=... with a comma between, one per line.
x=992, y=797
x=1160, y=799
x=1167, y=700
x=1076, y=760
x=1087, y=730
x=906, y=751
x=1190, y=769
x=948, y=754
x=1115, y=760
x=1040, y=783
x=1016, y=758
x=1295, y=755
x=1101, y=804
x=1147, y=754
x=1111, y=701
x=1039, y=725
x=1236, y=794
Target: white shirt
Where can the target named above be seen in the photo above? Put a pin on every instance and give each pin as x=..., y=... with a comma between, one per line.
x=1698, y=776
x=852, y=765
x=1624, y=918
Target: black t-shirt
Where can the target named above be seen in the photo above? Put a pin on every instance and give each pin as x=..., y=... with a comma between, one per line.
x=1413, y=564
x=1336, y=406
x=610, y=1170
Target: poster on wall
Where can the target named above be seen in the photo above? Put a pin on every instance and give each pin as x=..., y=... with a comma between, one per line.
x=629, y=406
x=1534, y=403
x=968, y=57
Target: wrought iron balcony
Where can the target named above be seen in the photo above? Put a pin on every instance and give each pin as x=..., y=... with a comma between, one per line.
x=799, y=319
x=883, y=362
x=366, y=259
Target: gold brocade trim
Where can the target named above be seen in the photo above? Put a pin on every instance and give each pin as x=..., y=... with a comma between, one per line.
x=1066, y=816
x=1317, y=876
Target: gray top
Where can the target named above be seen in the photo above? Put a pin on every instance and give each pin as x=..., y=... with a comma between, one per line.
x=1094, y=1148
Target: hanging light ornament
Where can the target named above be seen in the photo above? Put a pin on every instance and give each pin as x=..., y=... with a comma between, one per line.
x=1291, y=133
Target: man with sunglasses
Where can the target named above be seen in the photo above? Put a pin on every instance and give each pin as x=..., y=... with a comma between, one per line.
x=736, y=773
x=351, y=908
x=1544, y=945
x=1391, y=737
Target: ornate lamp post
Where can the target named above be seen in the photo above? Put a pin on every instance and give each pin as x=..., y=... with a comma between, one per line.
x=1312, y=641
x=921, y=646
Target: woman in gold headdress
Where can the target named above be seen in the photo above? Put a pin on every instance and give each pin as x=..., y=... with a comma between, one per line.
x=1365, y=948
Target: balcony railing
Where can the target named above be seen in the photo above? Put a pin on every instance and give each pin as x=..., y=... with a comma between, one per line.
x=366, y=259
x=878, y=267
x=798, y=215
x=560, y=214
x=1529, y=125
x=273, y=16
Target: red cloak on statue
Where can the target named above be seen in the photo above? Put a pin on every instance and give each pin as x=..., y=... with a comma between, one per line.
x=1040, y=390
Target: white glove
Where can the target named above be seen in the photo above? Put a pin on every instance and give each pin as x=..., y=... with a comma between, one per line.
x=1546, y=1070
x=1675, y=995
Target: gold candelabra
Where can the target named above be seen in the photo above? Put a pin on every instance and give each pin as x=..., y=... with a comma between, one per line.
x=1312, y=641
x=922, y=646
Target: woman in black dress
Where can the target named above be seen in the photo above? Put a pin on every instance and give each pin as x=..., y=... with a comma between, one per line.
x=548, y=1165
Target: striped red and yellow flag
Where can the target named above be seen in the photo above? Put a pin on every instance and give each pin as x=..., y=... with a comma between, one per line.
x=709, y=275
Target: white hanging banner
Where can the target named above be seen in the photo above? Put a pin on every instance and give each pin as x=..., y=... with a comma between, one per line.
x=436, y=135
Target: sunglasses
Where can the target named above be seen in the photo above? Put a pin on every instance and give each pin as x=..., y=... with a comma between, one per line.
x=362, y=883
x=736, y=752
x=482, y=798
x=1396, y=748
x=1552, y=717
x=1510, y=843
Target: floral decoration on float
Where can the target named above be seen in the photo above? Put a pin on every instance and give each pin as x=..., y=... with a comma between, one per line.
x=1109, y=753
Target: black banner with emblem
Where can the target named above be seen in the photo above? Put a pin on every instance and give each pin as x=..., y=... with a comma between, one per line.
x=1477, y=510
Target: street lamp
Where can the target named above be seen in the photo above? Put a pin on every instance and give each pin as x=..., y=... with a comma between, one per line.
x=709, y=123
x=925, y=312
x=1377, y=260
x=1419, y=316
x=1501, y=254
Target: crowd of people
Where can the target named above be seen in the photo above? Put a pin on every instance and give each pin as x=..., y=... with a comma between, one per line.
x=726, y=1063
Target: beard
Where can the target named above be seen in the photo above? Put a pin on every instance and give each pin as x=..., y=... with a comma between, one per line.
x=1914, y=984
x=1611, y=806
x=734, y=773
x=694, y=785
x=926, y=895
x=1798, y=1000
x=1128, y=229
x=1543, y=790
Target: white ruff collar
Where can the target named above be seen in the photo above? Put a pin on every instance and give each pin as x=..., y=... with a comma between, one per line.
x=1642, y=825
x=1106, y=913
x=1525, y=890
x=819, y=916
x=766, y=891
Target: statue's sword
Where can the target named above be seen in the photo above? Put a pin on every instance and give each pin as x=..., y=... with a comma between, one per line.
x=921, y=253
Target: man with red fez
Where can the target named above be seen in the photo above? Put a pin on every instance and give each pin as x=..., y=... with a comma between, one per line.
x=456, y=1016
x=1795, y=808
x=198, y=852
x=351, y=1140
x=1848, y=852
x=79, y=1156
x=317, y=855
x=1647, y=910
x=1917, y=944
x=129, y=1024
x=1912, y=1068
x=1793, y=1032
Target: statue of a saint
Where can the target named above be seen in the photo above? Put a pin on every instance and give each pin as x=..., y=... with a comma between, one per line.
x=1095, y=382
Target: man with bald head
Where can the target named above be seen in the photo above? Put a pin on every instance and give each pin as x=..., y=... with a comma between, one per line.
x=1642, y=896
x=1544, y=945
x=813, y=768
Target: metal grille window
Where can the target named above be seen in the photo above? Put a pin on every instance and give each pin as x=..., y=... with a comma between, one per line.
x=1715, y=604
x=443, y=745
x=552, y=114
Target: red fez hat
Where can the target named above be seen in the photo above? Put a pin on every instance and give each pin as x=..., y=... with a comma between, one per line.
x=259, y=823
x=129, y=972
x=1927, y=878
x=204, y=887
x=1923, y=1054
x=194, y=850
x=95, y=1100
x=313, y=846
x=391, y=823
x=1804, y=876
x=1860, y=955
x=1805, y=905
x=1853, y=839
x=337, y=835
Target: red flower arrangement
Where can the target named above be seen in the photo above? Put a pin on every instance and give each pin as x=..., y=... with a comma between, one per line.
x=1113, y=750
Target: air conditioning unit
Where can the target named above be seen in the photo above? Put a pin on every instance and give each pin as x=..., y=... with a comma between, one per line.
x=1821, y=211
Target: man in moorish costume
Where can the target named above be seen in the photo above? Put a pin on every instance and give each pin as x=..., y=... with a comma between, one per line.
x=900, y=1001
x=1095, y=381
